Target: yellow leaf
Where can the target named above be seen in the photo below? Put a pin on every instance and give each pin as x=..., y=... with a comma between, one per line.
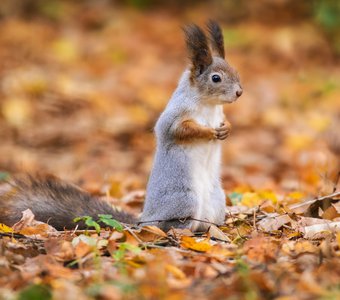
x=293, y=234
x=65, y=50
x=16, y=111
x=190, y=243
x=176, y=272
x=5, y=229
x=115, y=189
x=318, y=121
x=268, y=195
x=251, y=199
x=296, y=195
x=298, y=141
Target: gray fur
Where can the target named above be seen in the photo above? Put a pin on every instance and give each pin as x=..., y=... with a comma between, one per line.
x=52, y=201
x=170, y=193
x=172, y=196
x=169, y=190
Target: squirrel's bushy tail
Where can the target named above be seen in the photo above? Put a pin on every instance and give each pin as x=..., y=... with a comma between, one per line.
x=52, y=201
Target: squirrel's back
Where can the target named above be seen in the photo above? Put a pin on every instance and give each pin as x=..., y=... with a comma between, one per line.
x=52, y=201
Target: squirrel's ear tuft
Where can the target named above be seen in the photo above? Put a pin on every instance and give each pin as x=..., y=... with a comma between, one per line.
x=216, y=38
x=198, y=49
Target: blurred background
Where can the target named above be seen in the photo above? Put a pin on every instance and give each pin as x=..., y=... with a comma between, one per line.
x=83, y=82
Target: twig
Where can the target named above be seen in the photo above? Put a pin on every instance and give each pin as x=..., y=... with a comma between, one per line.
x=316, y=199
x=182, y=220
x=165, y=247
x=254, y=220
x=15, y=235
x=133, y=234
x=336, y=182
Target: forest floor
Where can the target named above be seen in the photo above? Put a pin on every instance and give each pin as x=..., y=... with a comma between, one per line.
x=80, y=93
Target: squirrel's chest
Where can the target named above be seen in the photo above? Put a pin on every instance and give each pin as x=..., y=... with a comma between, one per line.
x=209, y=116
x=204, y=155
x=205, y=160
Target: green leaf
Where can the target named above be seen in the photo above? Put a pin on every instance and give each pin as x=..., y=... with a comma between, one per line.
x=107, y=219
x=76, y=220
x=235, y=198
x=123, y=248
x=102, y=216
x=4, y=176
x=91, y=223
x=34, y=292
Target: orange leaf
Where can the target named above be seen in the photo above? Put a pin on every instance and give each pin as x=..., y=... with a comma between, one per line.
x=190, y=243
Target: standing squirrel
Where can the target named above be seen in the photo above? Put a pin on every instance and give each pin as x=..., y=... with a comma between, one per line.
x=184, y=184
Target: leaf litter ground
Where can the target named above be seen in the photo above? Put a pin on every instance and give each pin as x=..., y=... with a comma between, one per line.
x=80, y=93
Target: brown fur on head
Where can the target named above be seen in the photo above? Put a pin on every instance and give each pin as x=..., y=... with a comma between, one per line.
x=216, y=38
x=199, y=52
x=216, y=81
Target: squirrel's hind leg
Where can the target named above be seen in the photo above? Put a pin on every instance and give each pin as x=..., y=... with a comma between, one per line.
x=218, y=199
x=181, y=224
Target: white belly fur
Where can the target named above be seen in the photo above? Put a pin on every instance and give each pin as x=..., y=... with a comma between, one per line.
x=205, y=159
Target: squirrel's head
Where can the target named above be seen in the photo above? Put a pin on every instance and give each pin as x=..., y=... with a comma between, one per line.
x=216, y=81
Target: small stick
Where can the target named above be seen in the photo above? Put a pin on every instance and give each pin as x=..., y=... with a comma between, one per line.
x=254, y=220
x=336, y=182
x=182, y=220
x=133, y=234
x=316, y=199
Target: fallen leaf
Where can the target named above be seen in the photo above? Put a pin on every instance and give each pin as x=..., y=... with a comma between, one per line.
x=217, y=233
x=176, y=272
x=30, y=227
x=191, y=243
x=150, y=233
x=274, y=222
x=5, y=229
x=319, y=230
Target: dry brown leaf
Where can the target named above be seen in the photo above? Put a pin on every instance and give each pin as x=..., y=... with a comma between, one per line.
x=330, y=213
x=30, y=227
x=217, y=233
x=337, y=206
x=61, y=250
x=318, y=231
x=82, y=249
x=150, y=233
x=274, y=222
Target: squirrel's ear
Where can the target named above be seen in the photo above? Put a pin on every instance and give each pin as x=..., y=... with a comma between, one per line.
x=216, y=38
x=198, y=49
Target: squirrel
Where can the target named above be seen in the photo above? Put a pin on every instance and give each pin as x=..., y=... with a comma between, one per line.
x=184, y=188
x=185, y=185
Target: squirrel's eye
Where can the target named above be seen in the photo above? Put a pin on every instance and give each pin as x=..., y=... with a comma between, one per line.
x=216, y=78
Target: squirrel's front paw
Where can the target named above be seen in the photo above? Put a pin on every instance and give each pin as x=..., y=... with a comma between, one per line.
x=221, y=133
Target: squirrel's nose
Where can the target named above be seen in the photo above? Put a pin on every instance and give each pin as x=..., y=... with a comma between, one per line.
x=239, y=92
